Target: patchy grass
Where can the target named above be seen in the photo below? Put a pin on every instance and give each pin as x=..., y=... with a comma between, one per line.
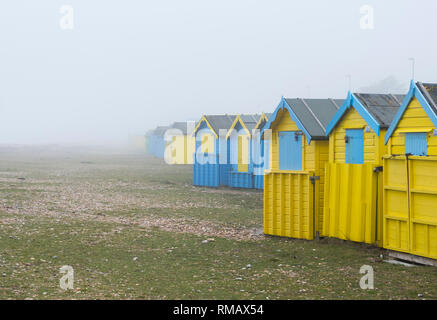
x=135, y=228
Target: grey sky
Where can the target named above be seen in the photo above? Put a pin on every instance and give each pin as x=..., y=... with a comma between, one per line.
x=131, y=65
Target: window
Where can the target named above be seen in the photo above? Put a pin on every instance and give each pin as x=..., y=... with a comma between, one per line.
x=290, y=150
x=416, y=143
x=354, y=146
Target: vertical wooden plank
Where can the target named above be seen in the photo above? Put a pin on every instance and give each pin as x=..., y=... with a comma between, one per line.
x=274, y=211
x=384, y=202
x=427, y=251
x=365, y=189
x=348, y=196
x=299, y=206
x=409, y=225
x=373, y=202
x=282, y=195
x=335, y=210
x=331, y=148
x=380, y=210
x=318, y=214
x=266, y=202
x=399, y=238
x=326, y=210
x=291, y=200
x=311, y=204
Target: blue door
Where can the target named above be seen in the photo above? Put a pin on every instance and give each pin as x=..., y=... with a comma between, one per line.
x=416, y=143
x=354, y=146
x=290, y=150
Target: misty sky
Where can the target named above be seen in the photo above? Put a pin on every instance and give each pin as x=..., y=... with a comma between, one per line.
x=129, y=65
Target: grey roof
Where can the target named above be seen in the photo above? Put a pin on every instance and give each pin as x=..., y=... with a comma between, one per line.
x=382, y=107
x=429, y=90
x=218, y=122
x=315, y=114
x=184, y=127
x=250, y=120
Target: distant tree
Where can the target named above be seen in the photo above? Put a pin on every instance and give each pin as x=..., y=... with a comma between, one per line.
x=387, y=85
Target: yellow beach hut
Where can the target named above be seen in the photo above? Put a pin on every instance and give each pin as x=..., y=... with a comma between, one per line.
x=293, y=186
x=410, y=175
x=353, y=192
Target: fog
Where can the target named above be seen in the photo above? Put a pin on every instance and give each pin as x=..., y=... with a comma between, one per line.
x=128, y=66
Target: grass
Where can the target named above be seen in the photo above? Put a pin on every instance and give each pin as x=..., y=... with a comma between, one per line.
x=135, y=228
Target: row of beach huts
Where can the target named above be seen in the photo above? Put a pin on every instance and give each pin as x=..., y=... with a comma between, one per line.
x=362, y=169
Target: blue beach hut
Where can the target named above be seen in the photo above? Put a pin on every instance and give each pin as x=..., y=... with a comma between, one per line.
x=211, y=160
x=241, y=148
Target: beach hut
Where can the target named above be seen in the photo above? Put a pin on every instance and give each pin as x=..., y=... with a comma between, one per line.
x=293, y=186
x=180, y=143
x=410, y=175
x=353, y=193
x=239, y=137
x=151, y=142
x=212, y=160
x=157, y=142
x=260, y=154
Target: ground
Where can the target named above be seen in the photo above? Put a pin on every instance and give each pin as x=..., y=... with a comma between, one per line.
x=133, y=227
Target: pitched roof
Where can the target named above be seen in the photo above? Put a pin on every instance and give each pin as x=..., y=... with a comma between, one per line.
x=311, y=115
x=218, y=122
x=315, y=114
x=248, y=121
x=378, y=110
x=382, y=107
x=426, y=94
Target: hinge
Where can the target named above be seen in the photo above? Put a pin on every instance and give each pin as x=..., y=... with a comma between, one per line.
x=314, y=178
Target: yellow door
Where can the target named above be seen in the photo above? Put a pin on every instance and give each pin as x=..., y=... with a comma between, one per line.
x=289, y=205
x=410, y=205
x=351, y=203
x=396, y=211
